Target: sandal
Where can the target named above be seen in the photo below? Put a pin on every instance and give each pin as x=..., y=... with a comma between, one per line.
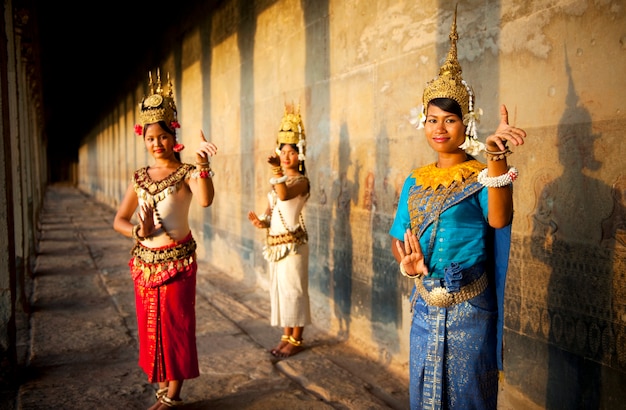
x=171, y=402
x=161, y=393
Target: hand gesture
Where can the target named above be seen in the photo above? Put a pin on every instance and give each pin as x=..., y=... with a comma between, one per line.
x=256, y=221
x=273, y=160
x=145, y=215
x=505, y=133
x=411, y=256
x=205, y=150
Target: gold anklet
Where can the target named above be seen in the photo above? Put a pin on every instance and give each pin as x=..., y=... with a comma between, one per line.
x=294, y=342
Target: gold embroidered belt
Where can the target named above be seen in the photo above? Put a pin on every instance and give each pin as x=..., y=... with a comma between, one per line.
x=299, y=236
x=440, y=297
x=169, y=254
x=152, y=267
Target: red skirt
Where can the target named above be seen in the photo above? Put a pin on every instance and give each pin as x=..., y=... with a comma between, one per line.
x=166, y=324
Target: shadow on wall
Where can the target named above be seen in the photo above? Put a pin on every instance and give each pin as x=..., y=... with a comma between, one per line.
x=318, y=212
x=386, y=293
x=583, y=336
x=344, y=193
x=246, y=35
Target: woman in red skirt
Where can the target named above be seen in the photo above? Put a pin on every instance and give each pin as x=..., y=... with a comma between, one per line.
x=163, y=263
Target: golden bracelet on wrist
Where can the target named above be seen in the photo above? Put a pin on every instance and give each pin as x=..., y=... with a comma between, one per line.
x=265, y=220
x=203, y=170
x=277, y=170
x=405, y=273
x=135, y=233
x=497, y=155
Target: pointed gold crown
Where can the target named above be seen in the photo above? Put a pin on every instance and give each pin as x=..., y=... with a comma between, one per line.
x=159, y=104
x=291, y=129
x=449, y=83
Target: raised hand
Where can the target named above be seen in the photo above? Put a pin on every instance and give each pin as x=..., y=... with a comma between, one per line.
x=273, y=160
x=504, y=133
x=411, y=256
x=145, y=215
x=256, y=221
x=205, y=149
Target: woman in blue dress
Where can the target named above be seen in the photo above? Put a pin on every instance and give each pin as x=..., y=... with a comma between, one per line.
x=451, y=235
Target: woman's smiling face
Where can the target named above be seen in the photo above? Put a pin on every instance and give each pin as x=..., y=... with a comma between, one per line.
x=159, y=142
x=289, y=156
x=444, y=130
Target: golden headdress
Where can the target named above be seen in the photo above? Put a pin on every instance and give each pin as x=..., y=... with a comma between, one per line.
x=158, y=105
x=450, y=84
x=292, y=130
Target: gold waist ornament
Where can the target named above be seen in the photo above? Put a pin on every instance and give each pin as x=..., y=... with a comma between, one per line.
x=299, y=236
x=440, y=297
x=152, y=267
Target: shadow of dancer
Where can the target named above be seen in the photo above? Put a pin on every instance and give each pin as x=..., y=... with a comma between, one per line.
x=565, y=238
x=344, y=193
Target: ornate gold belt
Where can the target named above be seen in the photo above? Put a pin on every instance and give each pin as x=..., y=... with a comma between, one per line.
x=153, y=267
x=440, y=297
x=298, y=236
x=157, y=256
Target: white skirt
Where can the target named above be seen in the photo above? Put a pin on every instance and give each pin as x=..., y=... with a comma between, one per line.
x=289, y=289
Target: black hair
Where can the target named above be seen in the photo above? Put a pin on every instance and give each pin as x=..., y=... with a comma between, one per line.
x=301, y=166
x=447, y=104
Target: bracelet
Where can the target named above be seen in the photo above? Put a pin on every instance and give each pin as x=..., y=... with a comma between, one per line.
x=404, y=272
x=135, y=234
x=280, y=180
x=277, y=169
x=265, y=220
x=203, y=164
x=499, y=181
x=203, y=173
x=497, y=155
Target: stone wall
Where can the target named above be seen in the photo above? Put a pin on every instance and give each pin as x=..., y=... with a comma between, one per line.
x=23, y=178
x=357, y=68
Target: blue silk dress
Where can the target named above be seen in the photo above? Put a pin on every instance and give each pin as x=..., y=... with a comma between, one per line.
x=455, y=351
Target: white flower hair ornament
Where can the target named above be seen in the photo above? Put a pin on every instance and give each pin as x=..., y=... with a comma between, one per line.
x=300, y=145
x=417, y=117
x=471, y=145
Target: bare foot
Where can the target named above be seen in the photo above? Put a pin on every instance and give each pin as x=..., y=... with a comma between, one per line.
x=283, y=342
x=289, y=350
x=161, y=405
x=155, y=406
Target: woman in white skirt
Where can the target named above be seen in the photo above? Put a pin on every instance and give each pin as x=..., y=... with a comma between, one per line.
x=286, y=248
